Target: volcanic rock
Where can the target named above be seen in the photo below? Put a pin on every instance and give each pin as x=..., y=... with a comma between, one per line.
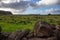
x=0, y=32
x=14, y=35
x=23, y=34
x=42, y=29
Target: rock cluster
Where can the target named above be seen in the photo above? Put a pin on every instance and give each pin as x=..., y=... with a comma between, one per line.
x=42, y=31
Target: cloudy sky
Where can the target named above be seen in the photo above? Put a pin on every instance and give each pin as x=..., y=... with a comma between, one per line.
x=31, y=6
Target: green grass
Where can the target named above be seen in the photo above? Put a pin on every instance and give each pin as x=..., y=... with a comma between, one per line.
x=13, y=23
x=13, y=27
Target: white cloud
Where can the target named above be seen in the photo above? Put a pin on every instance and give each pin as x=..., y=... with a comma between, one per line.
x=25, y=0
x=5, y=9
x=51, y=10
x=8, y=9
x=12, y=1
x=44, y=3
x=48, y=2
x=8, y=1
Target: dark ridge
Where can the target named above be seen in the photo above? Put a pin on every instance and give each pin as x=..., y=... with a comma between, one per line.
x=5, y=12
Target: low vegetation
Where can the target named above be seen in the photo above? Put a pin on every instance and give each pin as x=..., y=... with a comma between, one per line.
x=19, y=22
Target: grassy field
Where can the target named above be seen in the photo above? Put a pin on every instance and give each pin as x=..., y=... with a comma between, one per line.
x=12, y=23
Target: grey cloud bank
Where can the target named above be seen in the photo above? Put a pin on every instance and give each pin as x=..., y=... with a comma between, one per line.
x=21, y=5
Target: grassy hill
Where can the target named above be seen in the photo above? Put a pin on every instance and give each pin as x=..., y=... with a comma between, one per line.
x=18, y=22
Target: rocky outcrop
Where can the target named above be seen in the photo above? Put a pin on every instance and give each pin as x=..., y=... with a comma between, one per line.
x=42, y=31
x=5, y=12
x=43, y=28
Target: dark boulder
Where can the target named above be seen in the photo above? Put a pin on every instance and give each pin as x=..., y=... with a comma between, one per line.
x=37, y=39
x=57, y=34
x=30, y=35
x=18, y=34
x=42, y=29
x=23, y=34
x=0, y=32
x=14, y=35
x=52, y=38
x=5, y=35
x=53, y=27
x=58, y=31
x=24, y=38
x=58, y=26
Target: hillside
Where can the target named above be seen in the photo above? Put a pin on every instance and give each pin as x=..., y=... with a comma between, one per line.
x=5, y=12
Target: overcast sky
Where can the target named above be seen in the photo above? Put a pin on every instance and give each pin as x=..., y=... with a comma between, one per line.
x=31, y=6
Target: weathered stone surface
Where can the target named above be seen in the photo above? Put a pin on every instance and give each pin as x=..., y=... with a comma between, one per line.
x=23, y=34
x=24, y=38
x=5, y=35
x=18, y=34
x=14, y=35
x=58, y=26
x=42, y=28
x=30, y=35
x=53, y=27
x=52, y=38
x=57, y=31
x=37, y=39
x=0, y=32
x=57, y=34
